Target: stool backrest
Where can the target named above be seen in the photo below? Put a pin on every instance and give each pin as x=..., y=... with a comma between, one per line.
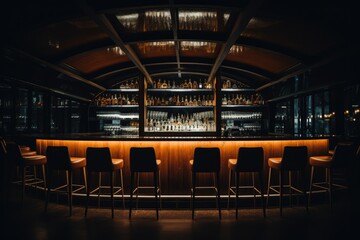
x=206, y=159
x=58, y=158
x=142, y=159
x=294, y=158
x=98, y=159
x=250, y=159
x=344, y=153
x=13, y=153
x=2, y=149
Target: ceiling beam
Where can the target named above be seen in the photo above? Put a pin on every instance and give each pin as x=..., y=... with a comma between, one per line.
x=239, y=26
x=109, y=28
x=175, y=24
x=57, y=68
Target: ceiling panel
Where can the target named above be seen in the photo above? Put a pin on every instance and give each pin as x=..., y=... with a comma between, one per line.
x=260, y=58
x=98, y=59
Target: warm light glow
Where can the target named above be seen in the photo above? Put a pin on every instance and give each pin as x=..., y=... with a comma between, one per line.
x=115, y=50
x=200, y=46
x=235, y=49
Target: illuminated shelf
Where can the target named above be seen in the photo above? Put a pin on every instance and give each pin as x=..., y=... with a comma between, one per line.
x=180, y=90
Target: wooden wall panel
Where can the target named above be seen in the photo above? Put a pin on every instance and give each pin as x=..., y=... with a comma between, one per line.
x=175, y=156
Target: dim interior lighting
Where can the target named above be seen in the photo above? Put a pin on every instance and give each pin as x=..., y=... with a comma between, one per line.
x=54, y=44
x=116, y=50
x=357, y=111
x=235, y=49
x=192, y=45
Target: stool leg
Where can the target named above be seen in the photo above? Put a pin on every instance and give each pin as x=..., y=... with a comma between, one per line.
x=218, y=192
x=69, y=177
x=237, y=176
x=23, y=174
x=228, y=203
x=159, y=188
x=253, y=187
x=99, y=192
x=281, y=189
x=131, y=193
x=261, y=181
x=112, y=193
x=156, y=195
x=44, y=178
x=330, y=186
x=122, y=187
x=85, y=180
x=137, y=189
x=87, y=192
x=304, y=189
x=216, y=189
x=268, y=187
x=49, y=178
x=193, y=178
x=311, y=183
x=290, y=189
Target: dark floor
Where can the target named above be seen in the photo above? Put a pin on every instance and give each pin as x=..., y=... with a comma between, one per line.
x=31, y=222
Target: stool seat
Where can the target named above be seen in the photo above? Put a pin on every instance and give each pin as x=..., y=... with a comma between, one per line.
x=30, y=153
x=321, y=161
x=118, y=163
x=99, y=160
x=18, y=159
x=59, y=159
x=249, y=160
x=275, y=162
x=206, y=160
x=232, y=163
x=78, y=162
x=294, y=159
x=143, y=160
x=34, y=160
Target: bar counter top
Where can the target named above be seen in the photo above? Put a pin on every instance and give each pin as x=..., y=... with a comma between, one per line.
x=94, y=136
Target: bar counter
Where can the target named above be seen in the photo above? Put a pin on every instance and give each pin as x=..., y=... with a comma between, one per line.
x=175, y=153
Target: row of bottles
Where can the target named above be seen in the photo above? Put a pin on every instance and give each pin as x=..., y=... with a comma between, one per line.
x=116, y=99
x=232, y=85
x=185, y=84
x=129, y=85
x=186, y=100
x=242, y=99
x=237, y=115
x=191, y=122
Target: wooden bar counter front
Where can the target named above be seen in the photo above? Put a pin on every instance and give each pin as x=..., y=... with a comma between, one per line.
x=175, y=156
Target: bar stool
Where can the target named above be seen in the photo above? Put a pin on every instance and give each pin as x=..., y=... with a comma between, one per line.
x=142, y=160
x=206, y=160
x=249, y=159
x=99, y=160
x=58, y=159
x=294, y=158
x=343, y=155
x=28, y=178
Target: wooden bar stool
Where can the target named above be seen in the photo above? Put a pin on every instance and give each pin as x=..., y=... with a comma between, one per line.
x=58, y=159
x=340, y=159
x=249, y=159
x=294, y=158
x=28, y=178
x=206, y=160
x=142, y=160
x=99, y=160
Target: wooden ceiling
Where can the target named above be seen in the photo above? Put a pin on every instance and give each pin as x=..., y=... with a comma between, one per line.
x=92, y=45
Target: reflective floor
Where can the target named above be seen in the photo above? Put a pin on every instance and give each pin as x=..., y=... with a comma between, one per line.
x=29, y=221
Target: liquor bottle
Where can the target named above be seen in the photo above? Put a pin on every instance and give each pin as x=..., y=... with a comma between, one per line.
x=190, y=85
x=195, y=85
x=159, y=83
x=224, y=100
x=200, y=84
